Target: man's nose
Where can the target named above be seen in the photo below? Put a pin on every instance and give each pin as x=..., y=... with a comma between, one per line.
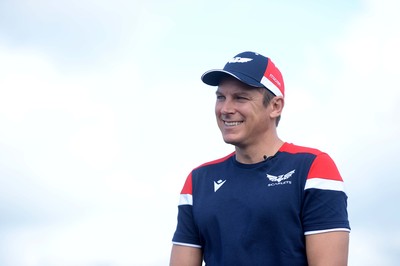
x=227, y=107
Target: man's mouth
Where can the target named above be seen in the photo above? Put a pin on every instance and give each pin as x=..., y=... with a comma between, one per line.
x=232, y=123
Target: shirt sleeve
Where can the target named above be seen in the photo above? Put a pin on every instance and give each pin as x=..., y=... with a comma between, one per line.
x=325, y=199
x=186, y=232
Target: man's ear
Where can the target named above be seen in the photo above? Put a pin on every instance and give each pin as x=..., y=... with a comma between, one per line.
x=277, y=103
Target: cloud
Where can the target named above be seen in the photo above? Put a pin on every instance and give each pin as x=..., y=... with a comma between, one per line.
x=55, y=126
x=364, y=111
x=346, y=102
x=77, y=34
x=84, y=160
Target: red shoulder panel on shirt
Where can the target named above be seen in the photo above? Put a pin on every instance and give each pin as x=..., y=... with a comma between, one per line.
x=187, y=187
x=217, y=160
x=291, y=148
x=323, y=165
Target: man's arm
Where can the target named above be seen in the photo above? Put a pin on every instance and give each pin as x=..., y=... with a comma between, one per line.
x=185, y=256
x=328, y=249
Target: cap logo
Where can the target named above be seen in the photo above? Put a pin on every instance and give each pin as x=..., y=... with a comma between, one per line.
x=275, y=79
x=240, y=60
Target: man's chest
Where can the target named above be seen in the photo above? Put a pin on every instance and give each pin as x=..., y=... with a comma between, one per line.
x=249, y=196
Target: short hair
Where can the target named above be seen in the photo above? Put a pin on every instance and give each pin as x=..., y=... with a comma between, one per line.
x=268, y=96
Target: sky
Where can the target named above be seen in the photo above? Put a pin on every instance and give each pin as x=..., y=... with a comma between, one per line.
x=103, y=115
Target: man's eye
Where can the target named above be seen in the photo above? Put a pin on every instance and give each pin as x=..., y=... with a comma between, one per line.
x=220, y=97
x=241, y=98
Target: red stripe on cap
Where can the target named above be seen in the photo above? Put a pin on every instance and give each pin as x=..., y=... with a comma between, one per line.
x=273, y=74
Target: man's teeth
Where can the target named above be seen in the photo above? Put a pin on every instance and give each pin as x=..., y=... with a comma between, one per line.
x=232, y=123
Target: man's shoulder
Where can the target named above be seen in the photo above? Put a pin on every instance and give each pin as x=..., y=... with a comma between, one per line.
x=296, y=149
x=216, y=161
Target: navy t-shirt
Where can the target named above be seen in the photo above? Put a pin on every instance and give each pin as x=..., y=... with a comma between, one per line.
x=259, y=214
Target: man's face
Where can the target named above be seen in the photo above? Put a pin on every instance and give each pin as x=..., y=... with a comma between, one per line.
x=241, y=115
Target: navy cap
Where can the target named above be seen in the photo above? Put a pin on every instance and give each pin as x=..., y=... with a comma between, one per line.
x=251, y=68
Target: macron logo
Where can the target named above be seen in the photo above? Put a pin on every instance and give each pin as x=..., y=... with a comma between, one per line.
x=240, y=60
x=275, y=79
x=218, y=184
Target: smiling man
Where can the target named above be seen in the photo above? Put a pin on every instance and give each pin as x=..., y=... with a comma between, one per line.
x=269, y=202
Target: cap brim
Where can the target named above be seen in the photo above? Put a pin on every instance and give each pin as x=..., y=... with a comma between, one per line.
x=213, y=78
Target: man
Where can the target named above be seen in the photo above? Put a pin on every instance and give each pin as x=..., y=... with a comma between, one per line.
x=269, y=202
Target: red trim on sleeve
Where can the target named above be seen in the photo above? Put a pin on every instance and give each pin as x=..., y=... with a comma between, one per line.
x=324, y=167
x=291, y=148
x=187, y=187
x=218, y=160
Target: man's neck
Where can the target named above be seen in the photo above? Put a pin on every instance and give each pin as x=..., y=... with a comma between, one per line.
x=258, y=153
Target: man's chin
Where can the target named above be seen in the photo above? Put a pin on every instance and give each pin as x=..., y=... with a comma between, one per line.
x=232, y=141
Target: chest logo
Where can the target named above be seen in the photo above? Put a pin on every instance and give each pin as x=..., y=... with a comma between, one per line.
x=280, y=179
x=218, y=184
